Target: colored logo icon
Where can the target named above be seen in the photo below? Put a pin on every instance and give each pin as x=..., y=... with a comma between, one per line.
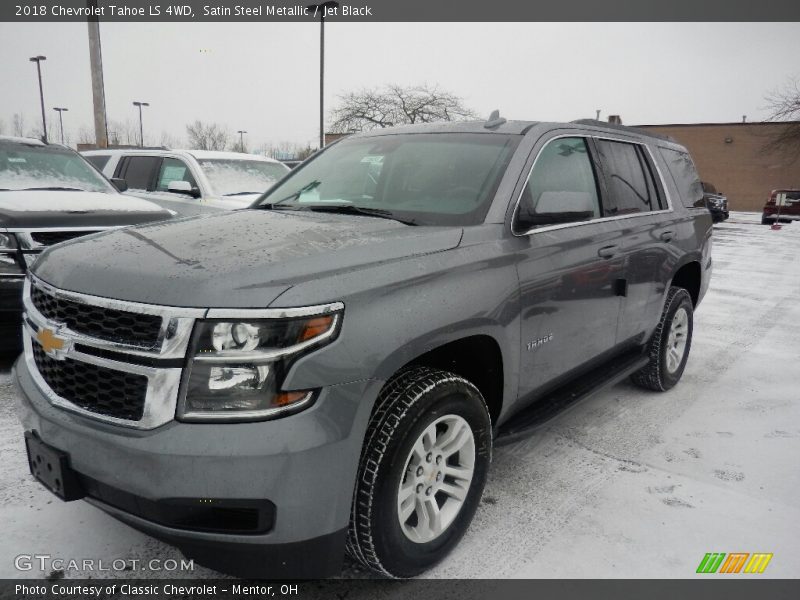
x=735, y=562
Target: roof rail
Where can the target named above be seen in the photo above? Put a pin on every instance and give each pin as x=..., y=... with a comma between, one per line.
x=615, y=126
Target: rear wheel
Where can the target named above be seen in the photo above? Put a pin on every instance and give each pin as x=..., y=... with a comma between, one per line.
x=766, y=221
x=669, y=347
x=422, y=472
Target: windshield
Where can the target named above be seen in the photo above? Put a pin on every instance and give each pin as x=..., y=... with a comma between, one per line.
x=229, y=177
x=427, y=179
x=27, y=167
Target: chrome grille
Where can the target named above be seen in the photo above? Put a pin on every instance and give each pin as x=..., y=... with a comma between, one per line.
x=103, y=323
x=111, y=360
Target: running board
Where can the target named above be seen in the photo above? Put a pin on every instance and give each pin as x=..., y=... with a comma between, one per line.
x=563, y=399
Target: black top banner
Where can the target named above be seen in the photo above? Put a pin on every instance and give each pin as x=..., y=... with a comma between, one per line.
x=244, y=11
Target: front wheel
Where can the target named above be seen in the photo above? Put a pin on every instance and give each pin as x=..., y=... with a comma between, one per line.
x=422, y=472
x=669, y=347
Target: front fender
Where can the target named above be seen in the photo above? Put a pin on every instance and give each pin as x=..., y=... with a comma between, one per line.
x=429, y=301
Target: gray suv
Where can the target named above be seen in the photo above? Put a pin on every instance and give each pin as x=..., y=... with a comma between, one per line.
x=329, y=370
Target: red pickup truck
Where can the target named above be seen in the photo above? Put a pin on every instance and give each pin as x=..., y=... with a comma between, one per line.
x=788, y=211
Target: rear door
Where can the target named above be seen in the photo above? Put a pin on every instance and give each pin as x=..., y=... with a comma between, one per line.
x=149, y=177
x=568, y=265
x=648, y=228
x=139, y=173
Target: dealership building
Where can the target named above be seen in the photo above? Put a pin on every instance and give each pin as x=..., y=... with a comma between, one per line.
x=732, y=157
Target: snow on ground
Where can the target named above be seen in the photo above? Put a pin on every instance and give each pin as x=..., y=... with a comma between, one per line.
x=630, y=484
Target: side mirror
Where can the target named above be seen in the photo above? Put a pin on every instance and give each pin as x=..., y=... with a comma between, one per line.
x=183, y=187
x=557, y=207
x=119, y=183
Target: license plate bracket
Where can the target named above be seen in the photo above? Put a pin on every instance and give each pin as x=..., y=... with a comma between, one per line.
x=50, y=467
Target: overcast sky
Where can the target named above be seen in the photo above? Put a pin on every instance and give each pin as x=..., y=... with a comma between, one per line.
x=264, y=77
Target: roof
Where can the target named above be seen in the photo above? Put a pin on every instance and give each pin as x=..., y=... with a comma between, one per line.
x=509, y=127
x=222, y=155
x=198, y=154
x=518, y=128
x=22, y=140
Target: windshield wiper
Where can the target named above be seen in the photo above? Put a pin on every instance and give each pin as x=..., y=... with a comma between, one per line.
x=54, y=189
x=242, y=193
x=351, y=209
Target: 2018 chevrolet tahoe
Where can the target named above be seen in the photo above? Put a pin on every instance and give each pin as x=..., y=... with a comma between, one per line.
x=329, y=370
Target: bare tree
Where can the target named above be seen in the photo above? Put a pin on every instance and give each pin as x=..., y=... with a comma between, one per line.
x=304, y=153
x=85, y=135
x=784, y=106
x=209, y=136
x=396, y=105
x=123, y=133
x=169, y=141
x=18, y=123
x=35, y=133
x=283, y=150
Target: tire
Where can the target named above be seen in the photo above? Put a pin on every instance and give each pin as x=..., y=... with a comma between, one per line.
x=417, y=400
x=673, y=333
x=766, y=221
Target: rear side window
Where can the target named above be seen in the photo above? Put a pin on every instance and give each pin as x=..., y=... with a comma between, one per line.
x=138, y=171
x=629, y=182
x=98, y=160
x=685, y=176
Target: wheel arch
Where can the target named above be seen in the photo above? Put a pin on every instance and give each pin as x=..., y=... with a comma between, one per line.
x=689, y=276
x=477, y=357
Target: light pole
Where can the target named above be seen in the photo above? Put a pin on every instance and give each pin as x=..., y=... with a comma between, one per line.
x=60, y=121
x=321, y=9
x=38, y=60
x=141, y=129
x=241, y=133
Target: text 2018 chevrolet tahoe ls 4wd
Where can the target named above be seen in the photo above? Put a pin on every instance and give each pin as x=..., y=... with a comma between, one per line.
x=329, y=370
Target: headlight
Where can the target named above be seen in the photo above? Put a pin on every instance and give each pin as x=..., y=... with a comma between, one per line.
x=8, y=255
x=237, y=367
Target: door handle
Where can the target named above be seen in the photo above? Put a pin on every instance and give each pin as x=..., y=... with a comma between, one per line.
x=607, y=251
x=667, y=236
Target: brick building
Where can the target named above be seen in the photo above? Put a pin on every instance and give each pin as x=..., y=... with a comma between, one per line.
x=731, y=156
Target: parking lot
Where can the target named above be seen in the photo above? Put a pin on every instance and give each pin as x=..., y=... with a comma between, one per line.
x=630, y=484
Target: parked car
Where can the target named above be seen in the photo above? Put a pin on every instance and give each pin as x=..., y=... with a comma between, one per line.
x=716, y=201
x=330, y=370
x=787, y=212
x=49, y=194
x=191, y=181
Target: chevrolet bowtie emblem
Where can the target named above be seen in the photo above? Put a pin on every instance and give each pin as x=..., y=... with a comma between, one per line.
x=49, y=341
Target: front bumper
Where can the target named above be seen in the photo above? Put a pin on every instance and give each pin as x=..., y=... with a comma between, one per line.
x=304, y=464
x=719, y=214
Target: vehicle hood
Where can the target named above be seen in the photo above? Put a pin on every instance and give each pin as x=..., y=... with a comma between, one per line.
x=43, y=208
x=238, y=201
x=243, y=258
